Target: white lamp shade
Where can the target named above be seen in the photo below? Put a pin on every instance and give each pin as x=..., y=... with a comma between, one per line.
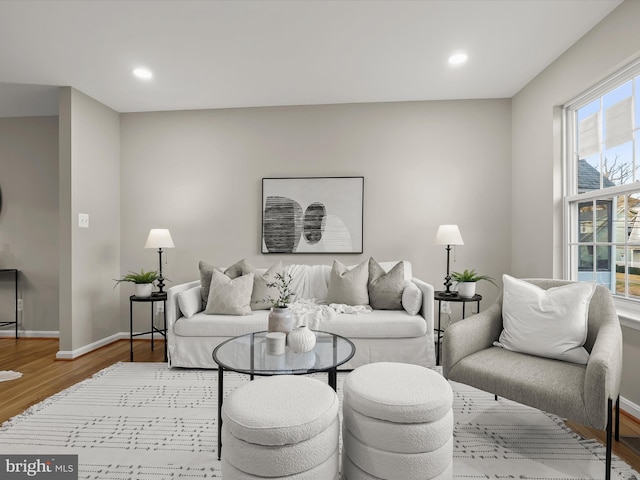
x=448, y=235
x=159, y=238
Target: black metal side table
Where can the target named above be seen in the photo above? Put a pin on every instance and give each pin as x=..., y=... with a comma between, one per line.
x=15, y=282
x=162, y=331
x=442, y=297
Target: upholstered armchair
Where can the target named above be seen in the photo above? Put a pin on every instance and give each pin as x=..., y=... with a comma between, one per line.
x=580, y=393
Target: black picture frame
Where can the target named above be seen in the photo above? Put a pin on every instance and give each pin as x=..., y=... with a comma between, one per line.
x=302, y=215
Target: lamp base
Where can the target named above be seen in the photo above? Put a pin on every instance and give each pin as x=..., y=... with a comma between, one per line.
x=448, y=294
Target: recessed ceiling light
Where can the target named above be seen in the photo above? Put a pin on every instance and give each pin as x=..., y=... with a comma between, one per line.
x=143, y=73
x=458, y=58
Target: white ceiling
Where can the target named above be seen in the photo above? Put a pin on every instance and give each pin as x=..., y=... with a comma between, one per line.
x=220, y=54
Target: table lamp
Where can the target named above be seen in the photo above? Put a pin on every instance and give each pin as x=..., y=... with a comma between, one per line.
x=448, y=235
x=159, y=238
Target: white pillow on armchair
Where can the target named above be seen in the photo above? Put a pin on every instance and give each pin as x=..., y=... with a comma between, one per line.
x=548, y=323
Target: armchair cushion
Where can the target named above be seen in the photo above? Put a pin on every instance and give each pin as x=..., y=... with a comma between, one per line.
x=548, y=323
x=550, y=385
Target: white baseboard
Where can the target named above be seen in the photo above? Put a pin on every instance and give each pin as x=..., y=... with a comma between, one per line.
x=29, y=334
x=66, y=354
x=71, y=354
x=630, y=407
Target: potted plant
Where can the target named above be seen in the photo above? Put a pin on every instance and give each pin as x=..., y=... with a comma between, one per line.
x=143, y=281
x=280, y=317
x=467, y=282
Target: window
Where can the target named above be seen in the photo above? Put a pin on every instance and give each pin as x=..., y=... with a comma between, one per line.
x=602, y=185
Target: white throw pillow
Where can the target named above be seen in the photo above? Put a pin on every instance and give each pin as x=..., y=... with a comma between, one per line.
x=411, y=298
x=190, y=301
x=261, y=292
x=349, y=286
x=229, y=296
x=548, y=323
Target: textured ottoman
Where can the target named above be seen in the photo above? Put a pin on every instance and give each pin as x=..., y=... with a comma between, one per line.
x=397, y=423
x=281, y=426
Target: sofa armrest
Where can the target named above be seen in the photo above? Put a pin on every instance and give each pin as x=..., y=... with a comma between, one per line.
x=173, y=309
x=472, y=334
x=426, y=311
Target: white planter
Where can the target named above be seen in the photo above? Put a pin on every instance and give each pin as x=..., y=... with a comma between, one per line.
x=144, y=289
x=280, y=320
x=301, y=339
x=467, y=289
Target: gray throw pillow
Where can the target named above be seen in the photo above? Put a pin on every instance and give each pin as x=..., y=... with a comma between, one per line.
x=229, y=296
x=385, y=288
x=349, y=286
x=239, y=268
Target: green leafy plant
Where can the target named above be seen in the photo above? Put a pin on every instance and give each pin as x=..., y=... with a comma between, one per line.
x=135, y=277
x=285, y=294
x=470, y=276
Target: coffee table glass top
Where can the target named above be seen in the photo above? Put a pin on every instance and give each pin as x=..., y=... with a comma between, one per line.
x=248, y=354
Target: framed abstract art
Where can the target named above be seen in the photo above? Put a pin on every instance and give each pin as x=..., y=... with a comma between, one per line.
x=312, y=215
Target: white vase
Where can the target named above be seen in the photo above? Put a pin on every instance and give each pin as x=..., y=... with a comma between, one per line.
x=301, y=339
x=144, y=289
x=467, y=289
x=280, y=320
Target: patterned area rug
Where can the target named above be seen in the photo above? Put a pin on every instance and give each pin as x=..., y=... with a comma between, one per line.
x=145, y=421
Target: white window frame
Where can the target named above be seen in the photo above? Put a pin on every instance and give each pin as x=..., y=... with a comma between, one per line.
x=627, y=307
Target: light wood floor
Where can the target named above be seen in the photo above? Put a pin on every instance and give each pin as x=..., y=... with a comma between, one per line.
x=44, y=376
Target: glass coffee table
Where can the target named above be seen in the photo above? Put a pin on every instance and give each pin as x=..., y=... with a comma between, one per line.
x=248, y=354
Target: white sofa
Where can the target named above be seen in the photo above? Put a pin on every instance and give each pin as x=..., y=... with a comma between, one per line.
x=379, y=336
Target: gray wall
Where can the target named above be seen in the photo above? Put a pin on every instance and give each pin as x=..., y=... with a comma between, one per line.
x=89, y=257
x=199, y=174
x=537, y=161
x=29, y=221
x=536, y=222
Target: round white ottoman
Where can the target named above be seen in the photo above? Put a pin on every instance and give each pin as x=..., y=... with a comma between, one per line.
x=281, y=426
x=397, y=423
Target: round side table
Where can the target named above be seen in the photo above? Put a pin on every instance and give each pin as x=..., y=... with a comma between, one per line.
x=162, y=331
x=441, y=296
